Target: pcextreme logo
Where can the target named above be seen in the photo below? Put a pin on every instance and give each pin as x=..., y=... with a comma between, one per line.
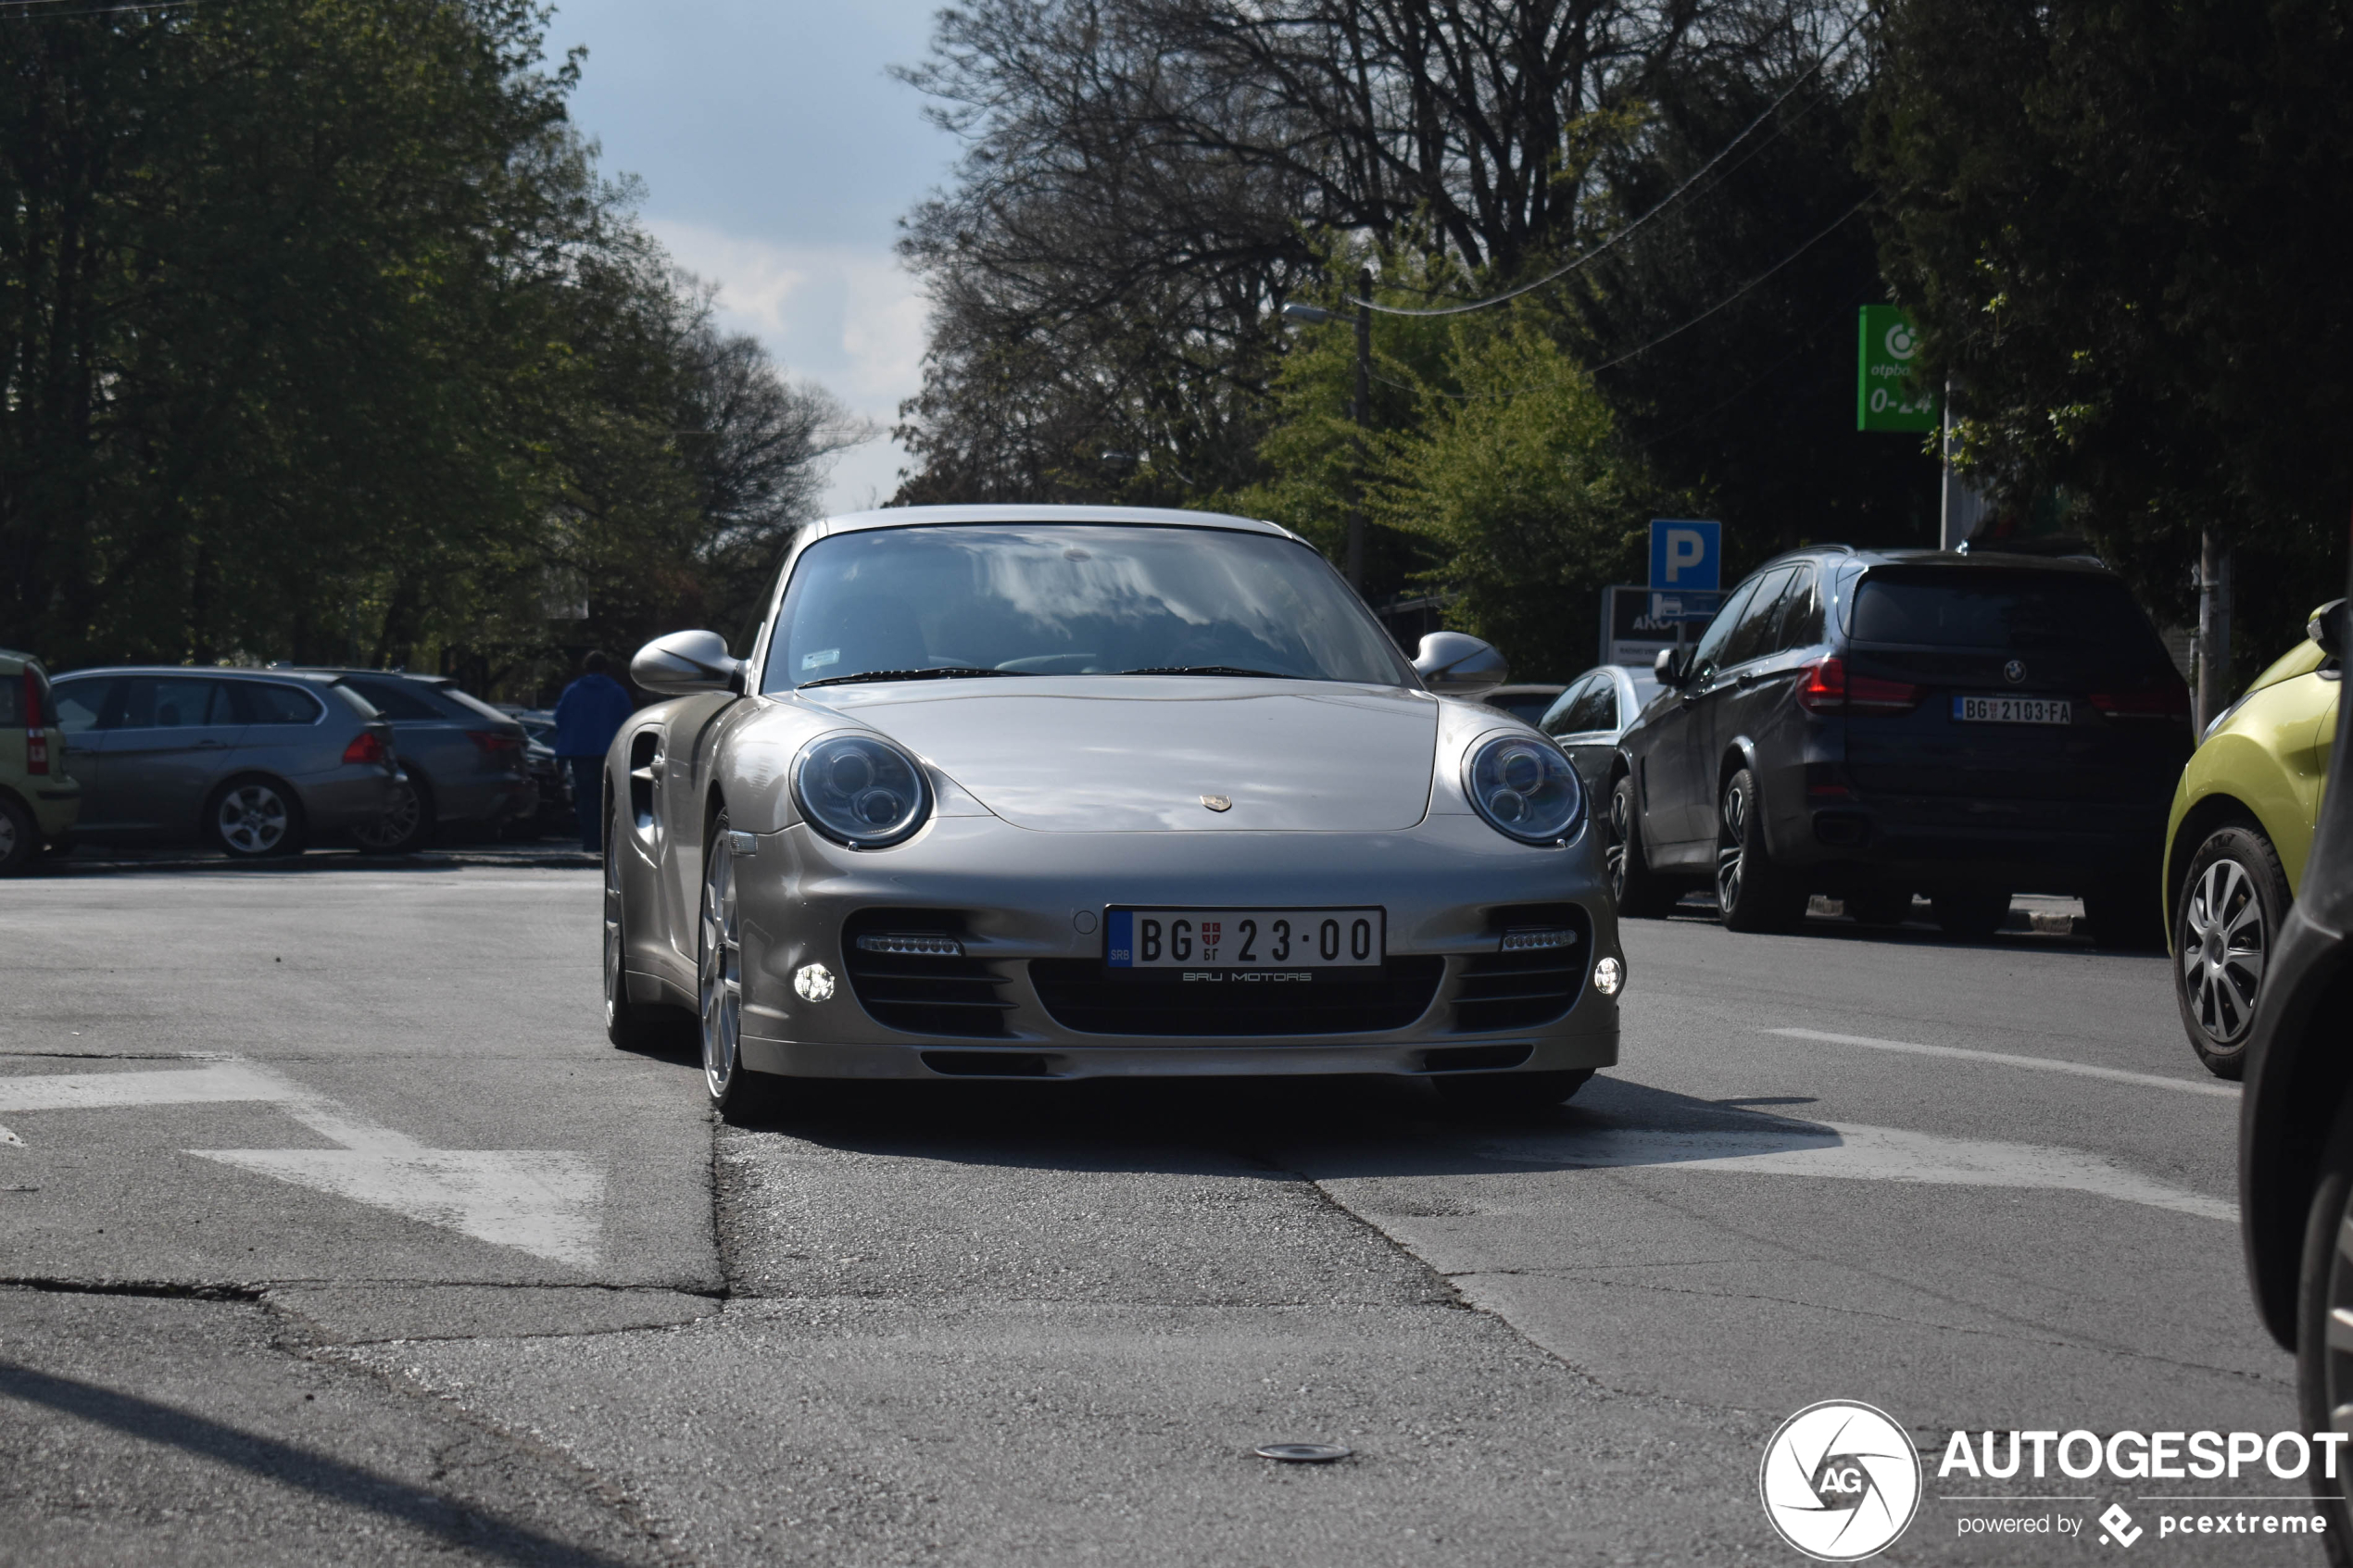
x=1840, y=1481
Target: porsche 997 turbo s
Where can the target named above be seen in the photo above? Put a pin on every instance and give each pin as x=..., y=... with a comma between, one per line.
x=1071, y=792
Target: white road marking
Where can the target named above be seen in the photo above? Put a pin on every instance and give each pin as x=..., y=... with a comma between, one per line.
x=546, y=1202
x=1855, y=1153
x=2036, y=1063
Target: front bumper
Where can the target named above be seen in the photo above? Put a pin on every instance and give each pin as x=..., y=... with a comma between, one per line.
x=1448, y=886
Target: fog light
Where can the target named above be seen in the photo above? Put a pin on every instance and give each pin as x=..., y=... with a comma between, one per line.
x=1608, y=975
x=815, y=982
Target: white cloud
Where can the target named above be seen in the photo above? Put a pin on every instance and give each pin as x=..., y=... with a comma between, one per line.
x=847, y=317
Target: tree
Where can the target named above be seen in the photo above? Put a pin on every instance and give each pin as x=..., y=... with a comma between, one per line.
x=2120, y=228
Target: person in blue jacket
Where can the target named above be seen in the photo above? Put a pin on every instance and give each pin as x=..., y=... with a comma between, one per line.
x=589, y=715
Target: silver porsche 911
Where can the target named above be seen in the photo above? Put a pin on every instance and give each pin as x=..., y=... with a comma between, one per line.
x=1056, y=792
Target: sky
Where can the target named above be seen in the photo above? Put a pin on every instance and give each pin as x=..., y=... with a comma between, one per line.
x=777, y=156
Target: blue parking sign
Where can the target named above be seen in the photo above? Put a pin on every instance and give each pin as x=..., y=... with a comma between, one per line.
x=1685, y=554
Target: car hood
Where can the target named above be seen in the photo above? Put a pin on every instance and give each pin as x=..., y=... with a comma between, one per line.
x=1111, y=753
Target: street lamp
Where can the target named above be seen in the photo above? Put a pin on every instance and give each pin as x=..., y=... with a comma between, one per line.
x=1360, y=410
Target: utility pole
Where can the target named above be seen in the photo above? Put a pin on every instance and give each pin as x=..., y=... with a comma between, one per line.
x=2213, y=627
x=1361, y=411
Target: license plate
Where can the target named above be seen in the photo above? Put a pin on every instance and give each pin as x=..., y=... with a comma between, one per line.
x=1239, y=942
x=2013, y=711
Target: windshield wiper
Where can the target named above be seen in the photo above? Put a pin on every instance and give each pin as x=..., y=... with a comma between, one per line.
x=1208, y=670
x=944, y=672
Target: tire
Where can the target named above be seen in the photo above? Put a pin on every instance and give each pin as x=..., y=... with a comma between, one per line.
x=632, y=1026
x=254, y=819
x=2226, y=915
x=1640, y=892
x=19, y=837
x=1969, y=914
x=1497, y=1092
x=737, y=1093
x=2126, y=915
x=2325, y=1372
x=1879, y=906
x=406, y=827
x=1752, y=893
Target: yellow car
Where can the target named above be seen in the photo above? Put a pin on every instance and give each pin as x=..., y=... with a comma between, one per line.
x=2240, y=830
x=38, y=803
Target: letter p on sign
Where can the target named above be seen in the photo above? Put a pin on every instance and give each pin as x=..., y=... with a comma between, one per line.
x=1686, y=554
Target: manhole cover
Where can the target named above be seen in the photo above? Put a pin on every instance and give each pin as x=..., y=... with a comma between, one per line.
x=1303, y=1453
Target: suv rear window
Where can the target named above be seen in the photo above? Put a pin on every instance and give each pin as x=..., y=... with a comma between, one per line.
x=1987, y=610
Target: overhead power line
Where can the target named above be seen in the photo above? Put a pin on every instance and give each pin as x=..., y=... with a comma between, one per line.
x=1669, y=200
x=1737, y=292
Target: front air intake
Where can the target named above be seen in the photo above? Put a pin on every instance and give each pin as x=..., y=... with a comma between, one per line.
x=910, y=971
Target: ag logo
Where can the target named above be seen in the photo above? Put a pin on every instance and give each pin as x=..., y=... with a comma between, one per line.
x=1900, y=342
x=1840, y=1481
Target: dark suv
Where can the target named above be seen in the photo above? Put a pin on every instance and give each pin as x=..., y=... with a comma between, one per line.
x=1872, y=724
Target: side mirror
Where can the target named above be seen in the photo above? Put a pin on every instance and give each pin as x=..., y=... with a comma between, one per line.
x=2327, y=628
x=685, y=664
x=1669, y=669
x=1456, y=664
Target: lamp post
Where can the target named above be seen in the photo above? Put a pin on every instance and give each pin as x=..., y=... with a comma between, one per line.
x=1360, y=410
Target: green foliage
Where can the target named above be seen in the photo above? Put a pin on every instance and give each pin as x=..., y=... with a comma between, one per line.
x=2109, y=221
x=1517, y=478
x=321, y=339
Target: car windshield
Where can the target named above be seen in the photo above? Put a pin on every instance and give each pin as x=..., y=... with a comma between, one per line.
x=1071, y=599
x=1990, y=610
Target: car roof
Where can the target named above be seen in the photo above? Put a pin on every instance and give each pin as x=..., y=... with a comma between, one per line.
x=1150, y=517
x=1959, y=561
x=10, y=656
x=337, y=673
x=235, y=671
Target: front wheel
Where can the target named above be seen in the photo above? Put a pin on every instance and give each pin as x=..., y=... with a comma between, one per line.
x=407, y=825
x=1640, y=892
x=2229, y=908
x=2323, y=1348
x=736, y=1093
x=1752, y=893
x=254, y=819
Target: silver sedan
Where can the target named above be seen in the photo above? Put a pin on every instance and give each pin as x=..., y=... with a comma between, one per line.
x=1069, y=792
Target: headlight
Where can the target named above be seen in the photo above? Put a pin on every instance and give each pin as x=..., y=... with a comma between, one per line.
x=861, y=791
x=1525, y=789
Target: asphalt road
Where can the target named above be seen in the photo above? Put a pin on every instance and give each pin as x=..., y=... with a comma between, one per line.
x=331, y=1230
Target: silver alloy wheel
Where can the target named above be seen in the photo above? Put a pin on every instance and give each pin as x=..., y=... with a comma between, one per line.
x=394, y=827
x=2223, y=950
x=1731, y=853
x=720, y=970
x=252, y=819
x=2336, y=1346
x=1613, y=851
x=614, y=1000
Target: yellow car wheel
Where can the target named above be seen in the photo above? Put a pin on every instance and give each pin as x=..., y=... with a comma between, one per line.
x=2226, y=916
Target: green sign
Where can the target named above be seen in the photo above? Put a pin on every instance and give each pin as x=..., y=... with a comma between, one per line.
x=1885, y=396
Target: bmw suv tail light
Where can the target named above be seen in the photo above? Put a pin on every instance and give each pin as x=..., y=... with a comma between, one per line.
x=36, y=739
x=1828, y=688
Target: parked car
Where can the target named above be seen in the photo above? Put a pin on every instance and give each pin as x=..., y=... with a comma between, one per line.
x=1061, y=792
x=2296, y=1133
x=255, y=762
x=1526, y=702
x=2241, y=827
x=39, y=800
x=1588, y=718
x=547, y=770
x=463, y=761
x=1872, y=724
